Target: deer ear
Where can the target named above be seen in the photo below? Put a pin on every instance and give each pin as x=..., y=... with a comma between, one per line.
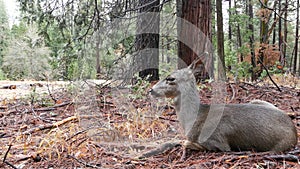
x=194, y=64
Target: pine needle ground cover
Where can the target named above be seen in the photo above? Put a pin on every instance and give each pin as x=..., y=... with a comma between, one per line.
x=99, y=126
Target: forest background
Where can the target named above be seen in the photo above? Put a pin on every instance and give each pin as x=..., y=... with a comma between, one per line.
x=75, y=76
x=66, y=40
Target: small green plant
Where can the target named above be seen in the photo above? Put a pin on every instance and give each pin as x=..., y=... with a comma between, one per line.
x=240, y=70
x=166, y=68
x=244, y=70
x=272, y=70
x=72, y=88
x=2, y=75
x=140, y=88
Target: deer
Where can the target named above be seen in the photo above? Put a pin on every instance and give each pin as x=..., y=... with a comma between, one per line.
x=257, y=126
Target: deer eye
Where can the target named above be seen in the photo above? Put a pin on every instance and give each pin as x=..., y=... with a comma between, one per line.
x=170, y=79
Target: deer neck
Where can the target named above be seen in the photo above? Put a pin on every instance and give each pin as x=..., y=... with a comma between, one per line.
x=187, y=106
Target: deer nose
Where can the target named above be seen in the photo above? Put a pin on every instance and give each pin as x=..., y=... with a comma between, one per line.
x=150, y=91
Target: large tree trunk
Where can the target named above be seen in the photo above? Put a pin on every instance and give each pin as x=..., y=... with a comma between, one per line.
x=190, y=44
x=147, y=40
x=220, y=40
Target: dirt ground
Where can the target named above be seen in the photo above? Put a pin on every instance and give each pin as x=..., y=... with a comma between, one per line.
x=71, y=125
x=20, y=89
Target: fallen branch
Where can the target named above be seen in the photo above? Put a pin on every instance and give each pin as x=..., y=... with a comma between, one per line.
x=79, y=132
x=286, y=157
x=9, y=87
x=50, y=126
x=54, y=107
x=5, y=156
x=233, y=92
x=162, y=118
x=40, y=109
x=11, y=165
x=266, y=69
x=3, y=107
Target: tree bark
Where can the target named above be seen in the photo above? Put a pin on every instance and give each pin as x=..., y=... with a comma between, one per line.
x=220, y=40
x=190, y=43
x=282, y=59
x=279, y=26
x=98, y=67
x=238, y=36
x=296, y=43
x=251, y=40
x=147, y=40
x=264, y=24
x=229, y=25
x=275, y=20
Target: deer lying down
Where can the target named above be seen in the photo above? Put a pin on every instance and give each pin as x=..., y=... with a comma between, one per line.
x=256, y=126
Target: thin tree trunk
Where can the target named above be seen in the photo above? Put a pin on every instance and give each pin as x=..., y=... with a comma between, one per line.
x=275, y=20
x=251, y=40
x=98, y=67
x=279, y=26
x=220, y=40
x=272, y=27
x=162, y=51
x=285, y=34
x=239, y=37
x=296, y=43
x=229, y=25
x=169, y=41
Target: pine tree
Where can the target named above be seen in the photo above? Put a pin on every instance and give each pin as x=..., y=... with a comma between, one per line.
x=4, y=30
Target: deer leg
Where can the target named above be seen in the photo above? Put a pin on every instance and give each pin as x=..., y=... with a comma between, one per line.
x=190, y=145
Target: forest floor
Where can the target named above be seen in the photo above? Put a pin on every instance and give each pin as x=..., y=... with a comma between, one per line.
x=68, y=125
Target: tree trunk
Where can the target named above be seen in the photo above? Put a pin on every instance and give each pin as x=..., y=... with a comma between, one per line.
x=196, y=15
x=220, y=40
x=147, y=40
x=296, y=43
x=98, y=67
x=229, y=26
x=264, y=24
x=238, y=36
x=282, y=61
x=275, y=20
x=251, y=40
x=279, y=26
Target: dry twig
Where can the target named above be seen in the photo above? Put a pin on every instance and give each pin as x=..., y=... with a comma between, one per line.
x=49, y=126
x=5, y=156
